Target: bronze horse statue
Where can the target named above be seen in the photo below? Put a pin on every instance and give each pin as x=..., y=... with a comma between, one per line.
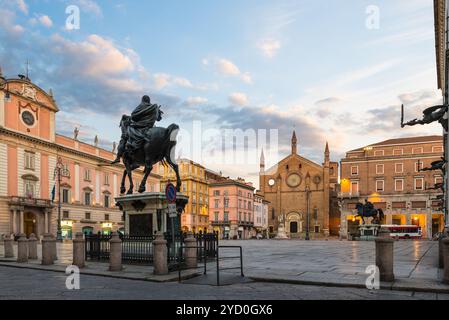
x=159, y=146
x=368, y=210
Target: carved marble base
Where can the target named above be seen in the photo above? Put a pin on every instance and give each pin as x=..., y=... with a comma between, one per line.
x=281, y=234
x=147, y=213
x=369, y=232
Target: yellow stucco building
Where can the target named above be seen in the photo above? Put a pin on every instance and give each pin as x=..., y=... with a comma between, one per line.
x=195, y=186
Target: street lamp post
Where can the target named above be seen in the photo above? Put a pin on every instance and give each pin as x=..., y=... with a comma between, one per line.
x=308, y=206
x=60, y=171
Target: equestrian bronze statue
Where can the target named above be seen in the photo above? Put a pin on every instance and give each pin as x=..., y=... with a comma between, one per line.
x=367, y=210
x=142, y=144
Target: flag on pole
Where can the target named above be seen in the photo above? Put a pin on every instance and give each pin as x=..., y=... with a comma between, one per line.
x=53, y=193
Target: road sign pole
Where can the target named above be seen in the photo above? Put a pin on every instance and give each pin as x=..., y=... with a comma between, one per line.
x=170, y=195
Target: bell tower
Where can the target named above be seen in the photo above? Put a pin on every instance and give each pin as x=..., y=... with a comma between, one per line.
x=294, y=143
x=262, y=173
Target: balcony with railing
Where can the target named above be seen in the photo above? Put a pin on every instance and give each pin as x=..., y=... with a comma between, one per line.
x=246, y=223
x=220, y=222
x=31, y=202
x=348, y=194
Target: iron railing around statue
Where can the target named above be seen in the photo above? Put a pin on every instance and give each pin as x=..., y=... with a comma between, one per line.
x=135, y=249
x=139, y=249
x=205, y=242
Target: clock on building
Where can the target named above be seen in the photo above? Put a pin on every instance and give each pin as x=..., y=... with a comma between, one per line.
x=271, y=182
x=28, y=118
x=294, y=180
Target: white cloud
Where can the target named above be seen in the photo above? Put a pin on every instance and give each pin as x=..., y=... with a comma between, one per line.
x=238, y=99
x=191, y=101
x=46, y=21
x=90, y=6
x=269, y=47
x=182, y=82
x=161, y=80
x=229, y=68
x=21, y=4
x=99, y=56
x=7, y=23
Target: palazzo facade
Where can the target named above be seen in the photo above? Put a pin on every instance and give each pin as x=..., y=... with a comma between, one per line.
x=30, y=150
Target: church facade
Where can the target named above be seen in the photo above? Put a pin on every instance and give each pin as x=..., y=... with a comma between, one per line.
x=300, y=190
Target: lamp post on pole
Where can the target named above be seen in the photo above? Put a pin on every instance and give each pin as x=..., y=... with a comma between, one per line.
x=308, y=206
x=60, y=171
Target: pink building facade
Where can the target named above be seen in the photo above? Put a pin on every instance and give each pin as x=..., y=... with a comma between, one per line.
x=29, y=152
x=231, y=208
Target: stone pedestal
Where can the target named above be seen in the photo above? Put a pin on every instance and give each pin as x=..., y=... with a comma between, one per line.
x=384, y=258
x=147, y=213
x=370, y=232
x=115, y=257
x=191, y=251
x=32, y=247
x=446, y=260
x=79, y=250
x=9, y=249
x=22, y=249
x=160, y=255
x=281, y=234
x=47, y=249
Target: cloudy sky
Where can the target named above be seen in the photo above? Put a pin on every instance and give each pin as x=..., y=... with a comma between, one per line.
x=327, y=68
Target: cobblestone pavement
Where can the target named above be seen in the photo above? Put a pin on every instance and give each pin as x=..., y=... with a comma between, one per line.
x=319, y=262
x=35, y=284
x=412, y=259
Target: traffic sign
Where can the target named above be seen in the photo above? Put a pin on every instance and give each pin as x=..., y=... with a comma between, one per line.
x=172, y=213
x=170, y=193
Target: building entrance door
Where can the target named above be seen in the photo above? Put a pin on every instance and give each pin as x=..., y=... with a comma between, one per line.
x=30, y=223
x=293, y=227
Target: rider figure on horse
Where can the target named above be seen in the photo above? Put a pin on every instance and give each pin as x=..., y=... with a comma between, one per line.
x=136, y=129
x=368, y=206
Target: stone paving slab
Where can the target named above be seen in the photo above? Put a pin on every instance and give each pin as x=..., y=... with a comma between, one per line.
x=129, y=272
x=322, y=263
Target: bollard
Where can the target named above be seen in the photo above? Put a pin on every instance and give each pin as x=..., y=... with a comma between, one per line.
x=32, y=247
x=22, y=248
x=440, y=253
x=9, y=249
x=190, y=251
x=54, y=248
x=79, y=250
x=47, y=249
x=115, y=256
x=383, y=233
x=446, y=260
x=160, y=255
x=384, y=258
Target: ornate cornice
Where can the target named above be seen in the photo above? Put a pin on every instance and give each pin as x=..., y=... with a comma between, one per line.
x=440, y=47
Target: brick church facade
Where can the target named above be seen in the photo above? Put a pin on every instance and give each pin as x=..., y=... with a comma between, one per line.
x=296, y=188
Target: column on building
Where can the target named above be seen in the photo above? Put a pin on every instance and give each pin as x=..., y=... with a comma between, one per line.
x=22, y=222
